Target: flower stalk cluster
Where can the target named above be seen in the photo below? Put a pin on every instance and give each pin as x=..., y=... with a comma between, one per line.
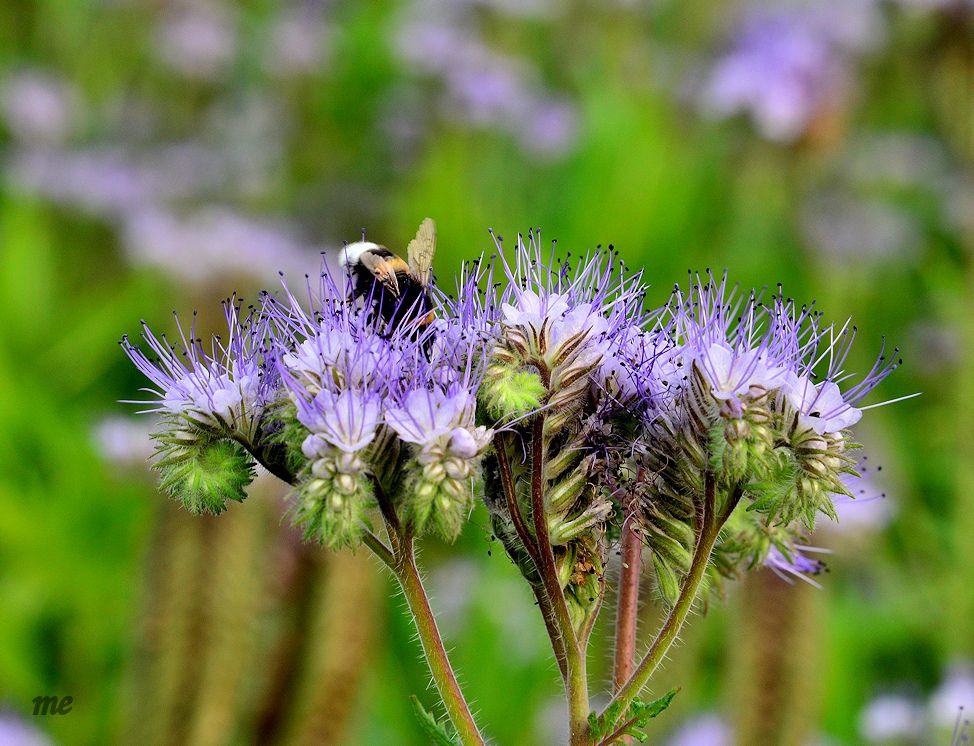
x=710, y=432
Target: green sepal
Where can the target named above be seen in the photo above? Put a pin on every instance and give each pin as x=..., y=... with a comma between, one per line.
x=283, y=433
x=439, y=731
x=202, y=471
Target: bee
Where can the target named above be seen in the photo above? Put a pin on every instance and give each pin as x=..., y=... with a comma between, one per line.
x=398, y=291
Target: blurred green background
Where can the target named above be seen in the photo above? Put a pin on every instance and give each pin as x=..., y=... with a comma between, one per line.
x=161, y=155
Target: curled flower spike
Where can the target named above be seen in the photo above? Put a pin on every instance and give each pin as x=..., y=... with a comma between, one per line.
x=447, y=446
x=334, y=490
x=559, y=322
x=759, y=404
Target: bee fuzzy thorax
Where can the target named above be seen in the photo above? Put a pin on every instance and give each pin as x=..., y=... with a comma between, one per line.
x=352, y=252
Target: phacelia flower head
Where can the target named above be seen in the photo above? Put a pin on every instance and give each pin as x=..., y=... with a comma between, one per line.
x=367, y=405
x=559, y=322
x=211, y=406
x=222, y=389
x=761, y=408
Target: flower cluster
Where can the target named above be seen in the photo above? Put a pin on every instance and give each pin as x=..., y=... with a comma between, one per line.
x=756, y=414
x=573, y=404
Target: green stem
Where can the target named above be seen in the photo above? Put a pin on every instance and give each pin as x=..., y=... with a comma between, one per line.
x=435, y=653
x=544, y=602
x=380, y=549
x=577, y=681
x=710, y=526
x=578, y=706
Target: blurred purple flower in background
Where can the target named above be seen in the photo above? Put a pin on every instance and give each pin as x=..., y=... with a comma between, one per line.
x=704, y=730
x=867, y=510
x=216, y=241
x=298, y=43
x=39, y=108
x=788, y=63
x=481, y=87
x=125, y=440
x=955, y=691
x=198, y=40
x=847, y=229
x=897, y=159
x=14, y=731
x=891, y=717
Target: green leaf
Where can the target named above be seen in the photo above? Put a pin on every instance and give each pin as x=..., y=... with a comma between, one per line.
x=646, y=712
x=630, y=723
x=439, y=732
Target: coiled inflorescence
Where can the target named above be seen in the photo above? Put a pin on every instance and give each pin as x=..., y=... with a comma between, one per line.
x=573, y=404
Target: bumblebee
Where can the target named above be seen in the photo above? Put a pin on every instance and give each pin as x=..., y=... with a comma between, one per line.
x=398, y=290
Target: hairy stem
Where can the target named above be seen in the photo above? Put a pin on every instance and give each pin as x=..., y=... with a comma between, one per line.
x=544, y=602
x=627, y=610
x=627, y=606
x=710, y=526
x=435, y=653
x=577, y=681
x=381, y=551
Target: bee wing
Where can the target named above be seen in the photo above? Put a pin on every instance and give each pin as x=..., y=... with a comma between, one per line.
x=420, y=252
x=382, y=270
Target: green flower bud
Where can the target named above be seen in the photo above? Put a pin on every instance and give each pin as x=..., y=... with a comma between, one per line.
x=562, y=530
x=667, y=581
x=434, y=500
x=565, y=493
x=510, y=392
x=203, y=471
x=330, y=505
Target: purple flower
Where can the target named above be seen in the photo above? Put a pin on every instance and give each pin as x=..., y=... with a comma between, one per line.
x=955, y=693
x=346, y=421
x=15, y=731
x=744, y=349
x=704, y=730
x=484, y=88
x=224, y=388
x=567, y=316
x=891, y=717
x=124, y=440
x=39, y=108
x=794, y=564
x=198, y=42
x=864, y=508
x=425, y=416
x=786, y=67
x=298, y=44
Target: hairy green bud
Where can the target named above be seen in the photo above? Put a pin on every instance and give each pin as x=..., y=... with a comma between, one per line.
x=510, y=392
x=331, y=500
x=203, y=470
x=439, y=496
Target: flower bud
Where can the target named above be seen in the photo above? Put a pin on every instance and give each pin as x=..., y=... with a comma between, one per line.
x=437, y=501
x=510, y=393
x=201, y=471
x=330, y=505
